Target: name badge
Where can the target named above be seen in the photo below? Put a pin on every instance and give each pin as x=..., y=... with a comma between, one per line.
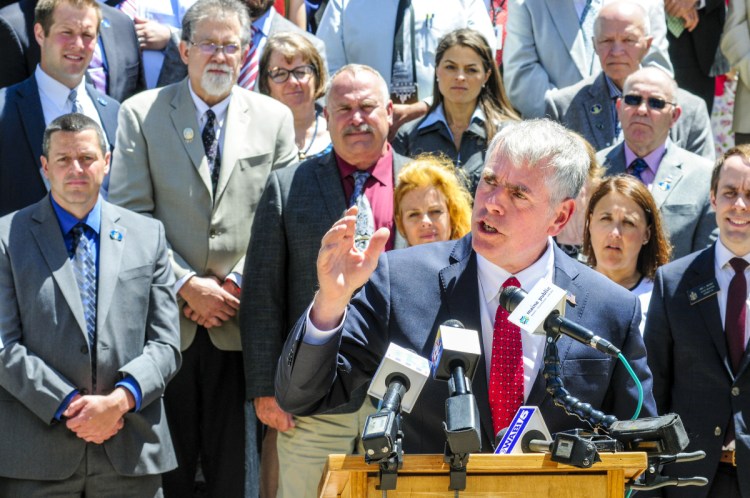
x=703, y=291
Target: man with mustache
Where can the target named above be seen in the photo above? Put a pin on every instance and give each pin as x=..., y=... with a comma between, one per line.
x=678, y=179
x=296, y=210
x=196, y=155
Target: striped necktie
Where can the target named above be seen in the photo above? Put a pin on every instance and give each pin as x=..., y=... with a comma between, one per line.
x=84, y=268
x=75, y=105
x=249, y=71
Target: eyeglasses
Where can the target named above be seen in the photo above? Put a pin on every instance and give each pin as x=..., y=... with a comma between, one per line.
x=655, y=103
x=210, y=48
x=301, y=73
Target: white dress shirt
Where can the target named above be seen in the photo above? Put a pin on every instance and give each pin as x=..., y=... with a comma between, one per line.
x=724, y=273
x=491, y=279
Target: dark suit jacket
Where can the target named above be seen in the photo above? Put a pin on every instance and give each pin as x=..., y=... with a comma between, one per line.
x=693, y=377
x=587, y=109
x=298, y=207
x=21, y=51
x=21, y=131
x=415, y=290
x=681, y=192
x=693, y=53
x=44, y=353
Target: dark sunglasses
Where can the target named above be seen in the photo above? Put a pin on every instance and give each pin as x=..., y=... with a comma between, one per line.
x=653, y=102
x=301, y=73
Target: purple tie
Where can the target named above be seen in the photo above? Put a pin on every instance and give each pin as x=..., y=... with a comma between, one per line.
x=736, y=312
x=96, y=69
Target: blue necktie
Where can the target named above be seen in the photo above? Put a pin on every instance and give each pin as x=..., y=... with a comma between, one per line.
x=639, y=166
x=75, y=106
x=84, y=267
x=365, y=221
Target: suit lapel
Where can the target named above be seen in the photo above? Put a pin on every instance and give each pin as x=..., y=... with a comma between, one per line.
x=48, y=236
x=564, y=16
x=110, y=258
x=668, y=175
x=458, y=283
x=109, y=50
x=183, y=113
x=703, y=271
x=107, y=114
x=614, y=162
x=32, y=118
x=238, y=118
x=598, y=110
x=565, y=275
x=329, y=183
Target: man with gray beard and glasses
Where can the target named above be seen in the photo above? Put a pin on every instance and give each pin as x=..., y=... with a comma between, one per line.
x=196, y=155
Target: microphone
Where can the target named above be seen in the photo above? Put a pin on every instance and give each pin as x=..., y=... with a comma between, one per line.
x=511, y=297
x=398, y=382
x=455, y=356
x=527, y=426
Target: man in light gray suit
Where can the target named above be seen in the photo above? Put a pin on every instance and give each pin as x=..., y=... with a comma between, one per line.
x=296, y=210
x=88, y=333
x=196, y=155
x=621, y=40
x=679, y=180
x=546, y=48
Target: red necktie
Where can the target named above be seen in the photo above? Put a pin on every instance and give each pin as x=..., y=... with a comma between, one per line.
x=736, y=312
x=249, y=71
x=506, y=369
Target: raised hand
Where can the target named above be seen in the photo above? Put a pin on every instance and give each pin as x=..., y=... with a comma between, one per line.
x=342, y=269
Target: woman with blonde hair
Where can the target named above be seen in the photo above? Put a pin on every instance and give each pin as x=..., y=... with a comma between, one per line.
x=430, y=202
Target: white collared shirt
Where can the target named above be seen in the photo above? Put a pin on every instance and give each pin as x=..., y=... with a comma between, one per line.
x=54, y=98
x=491, y=279
x=724, y=273
x=220, y=110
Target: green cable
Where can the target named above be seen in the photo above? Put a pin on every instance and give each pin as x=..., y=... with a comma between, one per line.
x=637, y=384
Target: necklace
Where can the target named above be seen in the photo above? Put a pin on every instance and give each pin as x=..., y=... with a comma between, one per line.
x=303, y=153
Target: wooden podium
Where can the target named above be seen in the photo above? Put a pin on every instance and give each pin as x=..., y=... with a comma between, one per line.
x=497, y=476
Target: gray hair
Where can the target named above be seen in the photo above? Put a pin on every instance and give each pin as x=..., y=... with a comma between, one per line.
x=548, y=146
x=353, y=69
x=666, y=82
x=73, y=122
x=626, y=5
x=216, y=9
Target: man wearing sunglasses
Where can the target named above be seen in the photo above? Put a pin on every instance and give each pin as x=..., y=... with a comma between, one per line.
x=678, y=179
x=622, y=37
x=196, y=155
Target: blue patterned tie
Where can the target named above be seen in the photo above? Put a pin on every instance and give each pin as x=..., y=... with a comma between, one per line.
x=639, y=166
x=84, y=267
x=365, y=222
x=75, y=106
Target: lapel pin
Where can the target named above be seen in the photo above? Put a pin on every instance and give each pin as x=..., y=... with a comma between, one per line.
x=188, y=134
x=115, y=235
x=664, y=186
x=105, y=23
x=101, y=101
x=571, y=299
x=596, y=109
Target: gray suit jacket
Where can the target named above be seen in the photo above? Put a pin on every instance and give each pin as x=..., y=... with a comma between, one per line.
x=162, y=171
x=681, y=192
x=587, y=109
x=298, y=207
x=544, y=50
x=44, y=352
x=693, y=376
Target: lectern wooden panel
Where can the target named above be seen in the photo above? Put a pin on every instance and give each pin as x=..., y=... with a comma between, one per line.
x=497, y=476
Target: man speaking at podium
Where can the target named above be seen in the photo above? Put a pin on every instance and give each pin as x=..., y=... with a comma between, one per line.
x=534, y=170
